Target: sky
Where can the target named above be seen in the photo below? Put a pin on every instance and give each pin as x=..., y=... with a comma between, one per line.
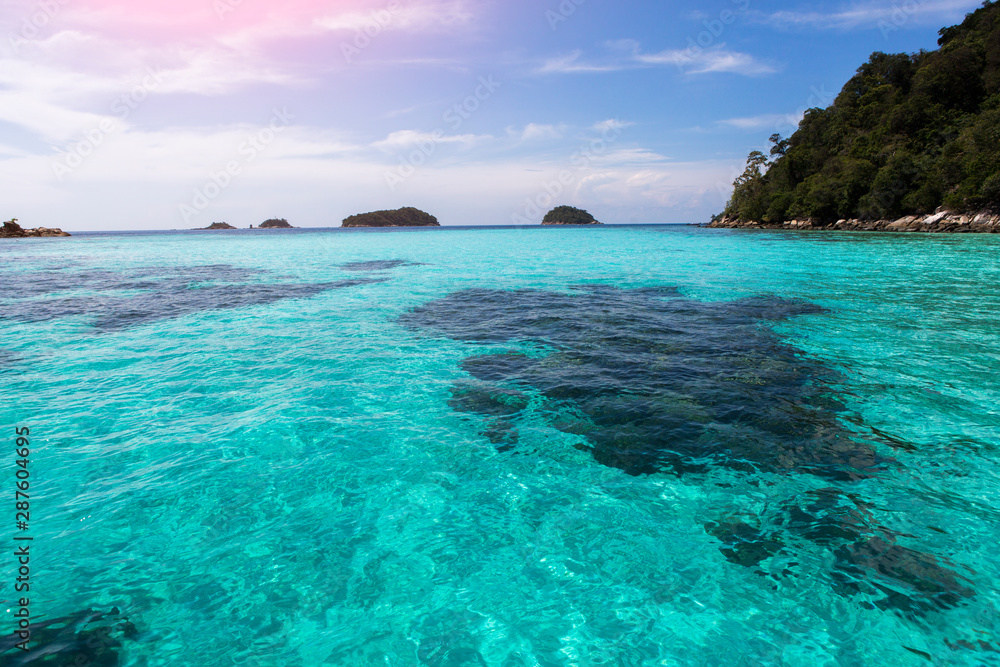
x=130, y=114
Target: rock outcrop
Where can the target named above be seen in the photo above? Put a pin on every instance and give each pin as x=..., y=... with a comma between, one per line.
x=12, y=230
x=941, y=222
x=403, y=217
x=276, y=223
x=568, y=215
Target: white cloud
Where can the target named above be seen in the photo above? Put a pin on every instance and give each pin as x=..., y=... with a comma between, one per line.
x=52, y=67
x=429, y=16
x=50, y=122
x=536, y=132
x=396, y=113
x=763, y=121
x=610, y=125
x=704, y=61
x=630, y=157
x=405, y=139
x=318, y=177
x=872, y=13
x=12, y=152
x=570, y=64
x=682, y=187
x=84, y=62
x=689, y=61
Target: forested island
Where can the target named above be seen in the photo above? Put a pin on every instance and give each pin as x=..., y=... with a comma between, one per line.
x=275, y=223
x=568, y=215
x=404, y=217
x=912, y=140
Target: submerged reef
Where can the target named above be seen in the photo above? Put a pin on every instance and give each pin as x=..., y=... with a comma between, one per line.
x=655, y=383
x=88, y=637
x=377, y=265
x=168, y=293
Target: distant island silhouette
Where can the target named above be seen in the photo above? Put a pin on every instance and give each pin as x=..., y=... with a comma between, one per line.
x=275, y=223
x=12, y=230
x=569, y=215
x=403, y=217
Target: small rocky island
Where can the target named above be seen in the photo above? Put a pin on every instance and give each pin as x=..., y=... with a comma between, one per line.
x=404, y=217
x=12, y=230
x=568, y=215
x=276, y=223
x=216, y=225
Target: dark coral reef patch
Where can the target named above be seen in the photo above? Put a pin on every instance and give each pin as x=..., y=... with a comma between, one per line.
x=162, y=293
x=655, y=383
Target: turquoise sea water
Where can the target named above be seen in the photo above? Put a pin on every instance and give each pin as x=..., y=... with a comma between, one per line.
x=507, y=446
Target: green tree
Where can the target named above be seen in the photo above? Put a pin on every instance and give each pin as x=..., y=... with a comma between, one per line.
x=748, y=200
x=568, y=215
x=908, y=133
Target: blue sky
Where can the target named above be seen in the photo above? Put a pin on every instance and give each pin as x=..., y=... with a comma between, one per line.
x=140, y=115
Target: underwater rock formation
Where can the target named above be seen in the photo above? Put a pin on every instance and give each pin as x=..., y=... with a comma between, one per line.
x=667, y=384
x=88, y=637
x=170, y=292
x=656, y=383
x=377, y=265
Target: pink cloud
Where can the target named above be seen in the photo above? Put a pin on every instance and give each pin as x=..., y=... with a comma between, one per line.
x=198, y=17
x=223, y=20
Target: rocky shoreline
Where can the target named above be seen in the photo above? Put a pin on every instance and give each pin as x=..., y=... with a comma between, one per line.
x=942, y=222
x=12, y=230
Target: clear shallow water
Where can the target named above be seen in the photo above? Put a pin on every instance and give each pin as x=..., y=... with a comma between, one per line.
x=264, y=453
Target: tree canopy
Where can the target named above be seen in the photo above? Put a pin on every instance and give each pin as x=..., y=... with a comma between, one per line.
x=403, y=217
x=568, y=215
x=909, y=133
x=275, y=223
